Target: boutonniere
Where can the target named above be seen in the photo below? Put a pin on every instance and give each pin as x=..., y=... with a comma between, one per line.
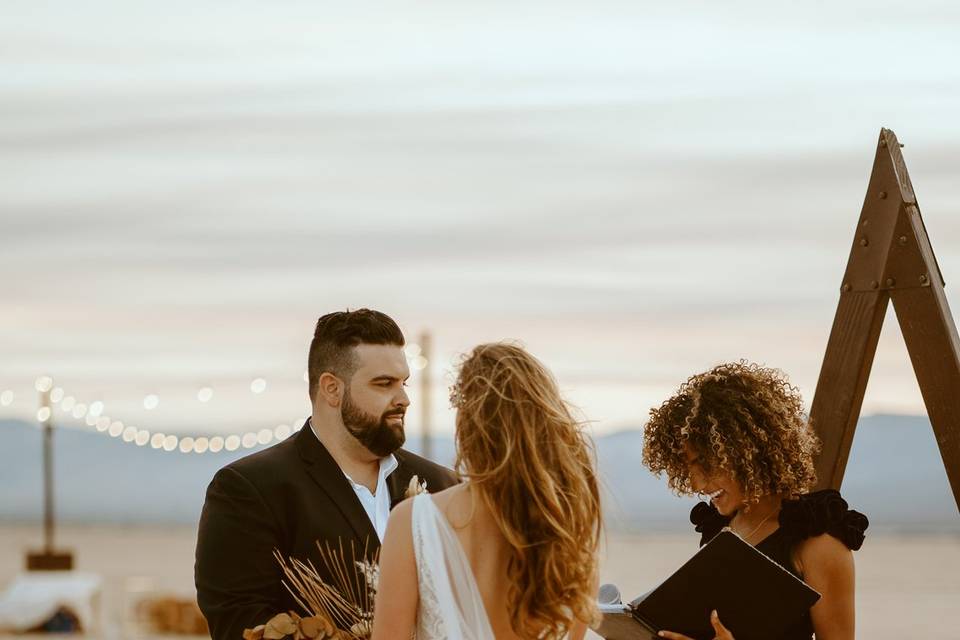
x=416, y=487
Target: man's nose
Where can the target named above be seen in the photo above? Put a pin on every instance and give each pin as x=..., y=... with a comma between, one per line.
x=402, y=400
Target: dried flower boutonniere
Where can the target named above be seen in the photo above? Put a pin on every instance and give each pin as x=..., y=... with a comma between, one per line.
x=416, y=487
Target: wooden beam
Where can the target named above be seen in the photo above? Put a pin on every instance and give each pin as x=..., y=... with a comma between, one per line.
x=856, y=327
x=931, y=336
x=891, y=259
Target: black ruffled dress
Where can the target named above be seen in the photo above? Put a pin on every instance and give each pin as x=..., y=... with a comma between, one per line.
x=810, y=515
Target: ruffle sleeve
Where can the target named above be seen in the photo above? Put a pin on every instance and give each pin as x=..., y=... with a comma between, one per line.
x=707, y=521
x=820, y=512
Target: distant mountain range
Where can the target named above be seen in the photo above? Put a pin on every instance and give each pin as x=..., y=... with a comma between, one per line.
x=895, y=476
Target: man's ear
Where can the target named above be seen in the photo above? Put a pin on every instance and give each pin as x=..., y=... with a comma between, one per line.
x=330, y=389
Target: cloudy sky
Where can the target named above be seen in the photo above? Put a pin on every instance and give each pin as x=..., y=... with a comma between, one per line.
x=635, y=192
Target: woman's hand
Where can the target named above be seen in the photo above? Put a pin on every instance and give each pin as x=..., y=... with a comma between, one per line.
x=722, y=633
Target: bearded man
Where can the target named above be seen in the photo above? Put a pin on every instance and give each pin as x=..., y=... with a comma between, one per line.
x=334, y=481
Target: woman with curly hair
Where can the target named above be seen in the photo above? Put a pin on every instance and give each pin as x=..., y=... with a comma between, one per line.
x=511, y=552
x=738, y=435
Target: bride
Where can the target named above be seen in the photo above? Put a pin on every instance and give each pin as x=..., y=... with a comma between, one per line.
x=512, y=551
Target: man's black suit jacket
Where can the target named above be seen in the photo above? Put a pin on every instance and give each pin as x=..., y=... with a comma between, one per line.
x=286, y=497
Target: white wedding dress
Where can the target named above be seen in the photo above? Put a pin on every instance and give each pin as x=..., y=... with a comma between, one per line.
x=450, y=604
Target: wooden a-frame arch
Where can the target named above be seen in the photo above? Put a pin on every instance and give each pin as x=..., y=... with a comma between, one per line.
x=891, y=260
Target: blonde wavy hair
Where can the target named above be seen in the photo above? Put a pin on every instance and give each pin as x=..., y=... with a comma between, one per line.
x=740, y=418
x=533, y=466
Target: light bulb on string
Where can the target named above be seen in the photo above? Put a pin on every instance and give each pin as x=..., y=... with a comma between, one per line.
x=56, y=394
x=281, y=432
x=170, y=443
x=232, y=443
x=216, y=444
x=249, y=440
x=6, y=398
x=200, y=445
x=156, y=440
x=259, y=385
x=151, y=402
x=264, y=436
x=67, y=403
x=43, y=384
x=103, y=423
x=205, y=394
x=116, y=428
x=95, y=409
x=186, y=444
x=129, y=434
x=79, y=410
x=142, y=438
x=43, y=414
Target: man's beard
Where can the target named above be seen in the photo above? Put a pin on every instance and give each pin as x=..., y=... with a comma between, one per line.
x=379, y=437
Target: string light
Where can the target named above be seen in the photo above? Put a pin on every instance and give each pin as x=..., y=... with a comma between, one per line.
x=93, y=415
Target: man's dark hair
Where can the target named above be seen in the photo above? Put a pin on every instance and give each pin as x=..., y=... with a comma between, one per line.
x=338, y=333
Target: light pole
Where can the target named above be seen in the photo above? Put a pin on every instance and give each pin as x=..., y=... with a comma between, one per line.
x=49, y=559
x=425, y=383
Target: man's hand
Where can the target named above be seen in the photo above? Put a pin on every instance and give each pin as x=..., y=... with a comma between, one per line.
x=722, y=633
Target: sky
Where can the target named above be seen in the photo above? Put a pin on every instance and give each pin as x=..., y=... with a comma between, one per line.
x=635, y=193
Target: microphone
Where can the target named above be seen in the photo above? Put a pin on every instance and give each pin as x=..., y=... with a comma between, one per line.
x=609, y=594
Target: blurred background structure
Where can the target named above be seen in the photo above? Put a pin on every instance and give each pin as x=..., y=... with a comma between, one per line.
x=634, y=192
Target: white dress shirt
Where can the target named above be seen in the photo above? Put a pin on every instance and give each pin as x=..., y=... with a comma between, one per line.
x=377, y=504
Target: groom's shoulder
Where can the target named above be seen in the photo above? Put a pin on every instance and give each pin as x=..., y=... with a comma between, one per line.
x=436, y=475
x=264, y=463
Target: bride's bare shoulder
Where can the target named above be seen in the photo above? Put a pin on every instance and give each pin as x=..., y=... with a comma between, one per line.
x=451, y=495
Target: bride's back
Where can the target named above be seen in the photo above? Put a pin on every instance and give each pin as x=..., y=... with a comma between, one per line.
x=528, y=515
x=486, y=549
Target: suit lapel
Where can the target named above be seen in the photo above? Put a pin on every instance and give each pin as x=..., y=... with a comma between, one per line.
x=398, y=481
x=325, y=471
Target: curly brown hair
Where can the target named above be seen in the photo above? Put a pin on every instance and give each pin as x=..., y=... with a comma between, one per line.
x=533, y=466
x=740, y=418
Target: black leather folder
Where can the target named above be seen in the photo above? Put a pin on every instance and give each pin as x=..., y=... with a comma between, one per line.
x=756, y=598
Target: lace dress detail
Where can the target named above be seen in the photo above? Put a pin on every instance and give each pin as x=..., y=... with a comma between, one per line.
x=451, y=607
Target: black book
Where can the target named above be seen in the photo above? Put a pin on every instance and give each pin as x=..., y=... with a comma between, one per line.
x=756, y=598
